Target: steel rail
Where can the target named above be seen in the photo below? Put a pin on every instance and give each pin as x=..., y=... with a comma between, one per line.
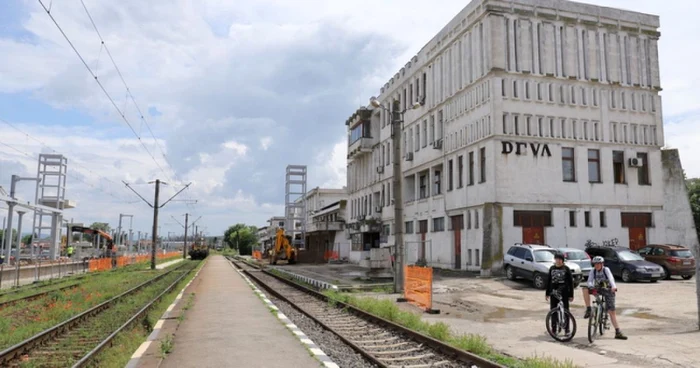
x=35, y=295
x=102, y=345
x=439, y=346
x=19, y=349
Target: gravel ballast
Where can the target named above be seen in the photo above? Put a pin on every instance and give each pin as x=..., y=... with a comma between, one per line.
x=335, y=348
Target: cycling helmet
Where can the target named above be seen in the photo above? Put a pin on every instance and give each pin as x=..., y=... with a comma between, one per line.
x=597, y=259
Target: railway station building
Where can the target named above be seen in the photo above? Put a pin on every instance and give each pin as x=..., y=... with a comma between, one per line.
x=539, y=122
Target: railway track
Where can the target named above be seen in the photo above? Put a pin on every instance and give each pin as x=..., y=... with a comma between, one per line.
x=35, y=296
x=77, y=341
x=381, y=342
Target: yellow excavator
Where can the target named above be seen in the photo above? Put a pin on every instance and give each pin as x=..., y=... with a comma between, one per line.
x=282, y=249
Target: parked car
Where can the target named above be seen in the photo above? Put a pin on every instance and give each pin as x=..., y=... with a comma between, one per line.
x=675, y=259
x=626, y=264
x=581, y=258
x=532, y=262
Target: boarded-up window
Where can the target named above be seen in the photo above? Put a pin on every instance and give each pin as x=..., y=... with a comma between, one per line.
x=532, y=218
x=631, y=219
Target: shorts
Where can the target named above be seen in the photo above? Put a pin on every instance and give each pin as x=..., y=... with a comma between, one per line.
x=609, y=299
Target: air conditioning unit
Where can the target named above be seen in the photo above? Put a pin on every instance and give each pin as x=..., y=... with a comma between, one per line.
x=380, y=169
x=437, y=144
x=409, y=156
x=378, y=209
x=635, y=162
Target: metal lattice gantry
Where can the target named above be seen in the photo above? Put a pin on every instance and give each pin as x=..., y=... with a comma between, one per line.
x=295, y=204
x=51, y=192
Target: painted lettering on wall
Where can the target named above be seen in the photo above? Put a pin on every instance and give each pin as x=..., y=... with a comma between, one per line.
x=521, y=148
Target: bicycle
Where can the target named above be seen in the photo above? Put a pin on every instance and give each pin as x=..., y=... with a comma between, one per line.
x=598, y=321
x=561, y=314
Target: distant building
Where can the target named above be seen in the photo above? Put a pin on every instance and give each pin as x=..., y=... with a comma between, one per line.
x=539, y=122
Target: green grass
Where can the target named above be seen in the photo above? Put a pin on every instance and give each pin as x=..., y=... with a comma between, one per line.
x=126, y=342
x=476, y=344
x=27, y=318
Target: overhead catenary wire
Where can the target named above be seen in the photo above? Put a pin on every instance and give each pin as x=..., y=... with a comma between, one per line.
x=128, y=91
x=102, y=87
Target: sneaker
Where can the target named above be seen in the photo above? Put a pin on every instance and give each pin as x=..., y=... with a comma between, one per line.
x=588, y=313
x=620, y=336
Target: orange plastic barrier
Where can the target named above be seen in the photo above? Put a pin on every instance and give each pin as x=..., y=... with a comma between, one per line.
x=330, y=255
x=418, y=287
x=105, y=264
x=257, y=254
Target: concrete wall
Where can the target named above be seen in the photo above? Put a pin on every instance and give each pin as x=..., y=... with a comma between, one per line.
x=680, y=228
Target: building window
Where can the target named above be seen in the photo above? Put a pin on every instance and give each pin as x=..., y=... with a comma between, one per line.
x=408, y=225
x=471, y=168
x=469, y=257
x=643, y=172
x=572, y=218
x=603, y=220
x=587, y=218
x=482, y=165
x=594, y=166
x=469, y=220
x=476, y=257
x=424, y=141
x=438, y=182
x=460, y=171
x=438, y=224
x=619, y=167
x=476, y=219
x=423, y=187
x=567, y=164
x=450, y=175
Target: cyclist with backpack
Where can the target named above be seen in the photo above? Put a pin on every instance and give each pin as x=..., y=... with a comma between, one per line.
x=602, y=279
x=561, y=280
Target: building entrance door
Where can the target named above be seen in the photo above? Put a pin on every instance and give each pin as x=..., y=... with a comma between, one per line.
x=457, y=226
x=638, y=238
x=422, y=229
x=533, y=235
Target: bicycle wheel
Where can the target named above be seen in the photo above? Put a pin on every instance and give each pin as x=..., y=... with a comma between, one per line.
x=555, y=334
x=592, y=325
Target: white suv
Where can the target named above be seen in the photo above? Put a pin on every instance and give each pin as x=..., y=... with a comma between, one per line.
x=532, y=262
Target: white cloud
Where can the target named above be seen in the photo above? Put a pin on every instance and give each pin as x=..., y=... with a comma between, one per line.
x=243, y=91
x=265, y=143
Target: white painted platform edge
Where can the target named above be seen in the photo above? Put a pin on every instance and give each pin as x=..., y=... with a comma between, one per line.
x=133, y=362
x=315, y=349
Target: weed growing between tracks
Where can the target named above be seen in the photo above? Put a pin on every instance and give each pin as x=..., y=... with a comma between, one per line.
x=27, y=318
x=472, y=343
x=126, y=342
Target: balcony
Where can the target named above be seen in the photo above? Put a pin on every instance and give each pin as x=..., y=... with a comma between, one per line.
x=360, y=147
x=324, y=226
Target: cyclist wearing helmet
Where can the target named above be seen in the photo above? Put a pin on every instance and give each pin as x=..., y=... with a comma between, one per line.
x=560, y=279
x=601, y=278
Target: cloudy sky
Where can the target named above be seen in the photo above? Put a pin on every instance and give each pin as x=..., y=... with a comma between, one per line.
x=232, y=91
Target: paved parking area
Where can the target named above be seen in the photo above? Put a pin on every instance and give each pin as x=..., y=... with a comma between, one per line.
x=660, y=319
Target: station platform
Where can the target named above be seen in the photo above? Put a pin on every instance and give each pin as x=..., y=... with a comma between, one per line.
x=230, y=326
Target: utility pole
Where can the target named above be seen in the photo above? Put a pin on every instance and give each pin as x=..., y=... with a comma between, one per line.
x=155, y=225
x=184, y=244
x=397, y=117
x=396, y=124
x=155, y=207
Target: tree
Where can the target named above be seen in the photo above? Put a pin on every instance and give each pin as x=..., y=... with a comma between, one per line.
x=26, y=239
x=241, y=237
x=2, y=237
x=694, y=197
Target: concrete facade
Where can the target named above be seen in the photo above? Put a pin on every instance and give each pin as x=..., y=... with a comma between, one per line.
x=325, y=224
x=540, y=122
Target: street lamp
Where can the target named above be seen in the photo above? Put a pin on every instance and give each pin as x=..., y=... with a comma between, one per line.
x=397, y=116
